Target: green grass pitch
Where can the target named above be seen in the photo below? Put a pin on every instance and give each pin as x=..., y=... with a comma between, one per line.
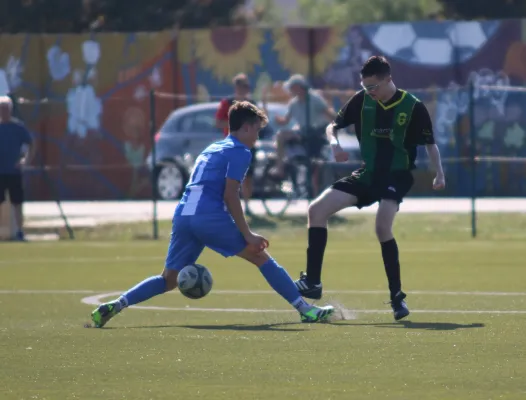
x=465, y=339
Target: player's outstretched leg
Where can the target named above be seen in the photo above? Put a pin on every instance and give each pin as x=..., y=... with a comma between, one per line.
x=328, y=203
x=143, y=291
x=184, y=249
x=281, y=282
x=384, y=222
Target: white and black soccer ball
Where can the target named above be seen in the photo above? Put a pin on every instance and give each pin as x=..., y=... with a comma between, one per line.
x=195, y=281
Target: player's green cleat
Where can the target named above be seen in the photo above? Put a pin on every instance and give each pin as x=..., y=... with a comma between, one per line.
x=104, y=313
x=317, y=314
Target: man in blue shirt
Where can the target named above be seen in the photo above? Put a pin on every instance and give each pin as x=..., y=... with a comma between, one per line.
x=15, y=148
x=210, y=215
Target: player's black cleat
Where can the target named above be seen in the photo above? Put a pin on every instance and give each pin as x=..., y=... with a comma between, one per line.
x=399, y=306
x=308, y=289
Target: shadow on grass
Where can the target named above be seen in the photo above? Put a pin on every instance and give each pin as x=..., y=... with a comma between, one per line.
x=277, y=327
x=428, y=326
x=297, y=221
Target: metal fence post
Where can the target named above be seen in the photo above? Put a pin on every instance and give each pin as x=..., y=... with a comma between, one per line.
x=153, y=128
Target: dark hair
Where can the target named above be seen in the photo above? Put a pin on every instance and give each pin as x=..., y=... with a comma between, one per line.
x=376, y=66
x=244, y=112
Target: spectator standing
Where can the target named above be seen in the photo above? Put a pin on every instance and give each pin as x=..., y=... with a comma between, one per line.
x=16, y=149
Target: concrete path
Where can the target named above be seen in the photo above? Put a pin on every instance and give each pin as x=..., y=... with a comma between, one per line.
x=46, y=214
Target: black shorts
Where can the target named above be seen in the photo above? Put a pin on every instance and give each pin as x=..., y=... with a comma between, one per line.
x=13, y=185
x=394, y=187
x=250, y=171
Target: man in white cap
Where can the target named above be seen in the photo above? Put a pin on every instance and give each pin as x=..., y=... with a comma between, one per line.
x=320, y=113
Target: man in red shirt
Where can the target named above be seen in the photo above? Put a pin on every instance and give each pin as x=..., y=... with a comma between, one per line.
x=241, y=93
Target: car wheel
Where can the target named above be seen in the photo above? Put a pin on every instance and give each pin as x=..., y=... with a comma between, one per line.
x=170, y=181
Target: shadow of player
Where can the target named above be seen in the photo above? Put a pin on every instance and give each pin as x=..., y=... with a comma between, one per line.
x=428, y=326
x=276, y=327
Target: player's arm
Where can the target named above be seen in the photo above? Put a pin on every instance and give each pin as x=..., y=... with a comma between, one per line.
x=233, y=204
x=423, y=135
x=348, y=115
x=222, y=115
x=237, y=168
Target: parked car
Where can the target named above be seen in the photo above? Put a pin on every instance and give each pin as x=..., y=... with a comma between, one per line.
x=190, y=129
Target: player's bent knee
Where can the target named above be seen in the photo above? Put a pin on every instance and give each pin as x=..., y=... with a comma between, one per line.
x=384, y=230
x=316, y=213
x=170, y=276
x=258, y=259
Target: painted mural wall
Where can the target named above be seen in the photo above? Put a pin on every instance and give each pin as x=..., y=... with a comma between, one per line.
x=86, y=97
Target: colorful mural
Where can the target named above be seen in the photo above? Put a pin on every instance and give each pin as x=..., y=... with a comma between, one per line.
x=86, y=97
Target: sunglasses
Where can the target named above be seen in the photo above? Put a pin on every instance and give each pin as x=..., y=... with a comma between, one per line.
x=371, y=88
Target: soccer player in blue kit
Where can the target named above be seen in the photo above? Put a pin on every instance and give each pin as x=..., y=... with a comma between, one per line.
x=210, y=215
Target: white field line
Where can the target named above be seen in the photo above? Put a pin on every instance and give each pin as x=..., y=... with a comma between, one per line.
x=264, y=292
x=95, y=301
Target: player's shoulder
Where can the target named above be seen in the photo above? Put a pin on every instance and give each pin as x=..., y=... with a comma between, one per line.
x=355, y=101
x=357, y=97
x=228, y=145
x=411, y=95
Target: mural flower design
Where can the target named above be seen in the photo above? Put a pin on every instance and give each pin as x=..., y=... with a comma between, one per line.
x=227, y=51
x=84, y=110
x=13, y=71
x=514, y=136
x=292, y=46
x=58, y=63
x=91, y=52
x=487, y=131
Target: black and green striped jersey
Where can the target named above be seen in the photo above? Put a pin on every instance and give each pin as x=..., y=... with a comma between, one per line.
x=388, y=133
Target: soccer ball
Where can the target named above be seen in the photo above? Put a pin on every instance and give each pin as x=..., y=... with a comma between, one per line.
x=194, y=281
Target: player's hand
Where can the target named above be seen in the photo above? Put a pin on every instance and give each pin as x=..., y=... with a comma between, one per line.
x=256, y=243
x=340, y=155
x=439, y=183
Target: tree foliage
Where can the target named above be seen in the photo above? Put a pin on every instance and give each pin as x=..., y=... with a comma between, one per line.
x=486, y=9
x=323, y=12
x=116, y=15
x=330, y=12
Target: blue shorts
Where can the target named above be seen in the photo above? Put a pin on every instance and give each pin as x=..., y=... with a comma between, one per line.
x=191, y=234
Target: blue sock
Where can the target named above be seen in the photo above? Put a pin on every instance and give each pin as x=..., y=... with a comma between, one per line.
x=280, y=281
x=145, y=290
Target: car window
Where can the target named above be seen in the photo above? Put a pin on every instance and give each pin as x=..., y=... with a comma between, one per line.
x=202, y=121
x=169, y=126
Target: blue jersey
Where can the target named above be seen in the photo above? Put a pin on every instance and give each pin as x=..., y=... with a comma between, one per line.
x=204, y=192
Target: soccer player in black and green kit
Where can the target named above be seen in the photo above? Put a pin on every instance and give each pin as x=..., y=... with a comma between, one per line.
x=390, y=123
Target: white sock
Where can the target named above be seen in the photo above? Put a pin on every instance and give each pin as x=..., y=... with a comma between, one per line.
x=301, y=305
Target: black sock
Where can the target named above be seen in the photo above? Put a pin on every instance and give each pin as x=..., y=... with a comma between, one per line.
x=392, y=266
x=315, y=252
